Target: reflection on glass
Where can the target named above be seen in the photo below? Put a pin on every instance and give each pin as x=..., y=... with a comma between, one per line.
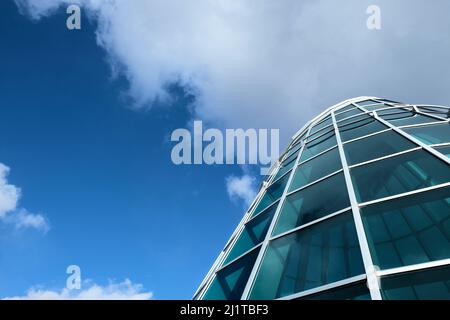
x=347, y=114
x=229, y=283
x=376, y=146
x=253, y=234
x=314, y=202
x=326, y=122
x=444, y=150
x=409, y=230
x=316, y=168
x=360, y=128
x=407, y=118
x=272, y=194
x=320, y=254
x=317, y=146
x=431, y=284
x=431, y=134
x=402, y=173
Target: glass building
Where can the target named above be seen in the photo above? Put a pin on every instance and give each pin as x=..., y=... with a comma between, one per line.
x=358, y=207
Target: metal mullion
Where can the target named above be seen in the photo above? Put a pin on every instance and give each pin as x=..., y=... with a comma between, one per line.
x=329, y=129
x=369, y=267
x=265, y=243
x=392, y=155
x=311, y=223
x=415, y=267
x=327, y=287
x=426, y=124
x=437, y=145
x=412, y=139
x=314, y=182
x=404, y=194
x=261, y=212
x=428, y=114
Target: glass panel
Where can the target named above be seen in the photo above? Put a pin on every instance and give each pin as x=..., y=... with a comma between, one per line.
x=403, y=173
x=431, y=284
x=444, y=150
x=293, y=150
x=313, y=202
x=357, y=291
x=272, y=194
x=322, y=124
x=347, y=107
x=230, y=282
x=316, y=168
x=360, y=128
x=376, y=107
x=366, y=103
x=439, y=111
x=376, y=146
x=431, y=134
x=253, y=234
x=285, y=167
x=317, y=146
x=323, y=253
x=409, y=230
x=407, y=118
x=347, y=114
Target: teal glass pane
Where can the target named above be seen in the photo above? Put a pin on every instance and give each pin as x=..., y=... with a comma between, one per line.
x=320, y=254
x=346, y=108
x=347, y=114
x=293, y=152
x=229, y=283
x=314, y=202
x=316, y=168
x=285, y=167
x=366, y=103
x=409, y=230
x=324, y=123
x=360, y=128
x=272, y=194
x=428, y=284
x=431, y=134
x=407, y=118
x=317, y=146
x=356, y=291
x=403, y=173
x=376, y=146
x=253, y=234
x=444, y=150
x=438, y=111
x=376, y=107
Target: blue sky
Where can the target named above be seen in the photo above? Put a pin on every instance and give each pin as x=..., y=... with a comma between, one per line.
x=86, y=176
x=99, y=171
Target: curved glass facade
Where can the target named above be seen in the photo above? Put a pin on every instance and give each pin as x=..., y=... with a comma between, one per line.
x=358, y=207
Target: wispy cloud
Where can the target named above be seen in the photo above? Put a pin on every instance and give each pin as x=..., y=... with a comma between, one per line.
x=125, y=290
x=241, y=188
x=11, y=212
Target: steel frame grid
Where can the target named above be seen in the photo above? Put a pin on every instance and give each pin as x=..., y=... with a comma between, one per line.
x=372, y=275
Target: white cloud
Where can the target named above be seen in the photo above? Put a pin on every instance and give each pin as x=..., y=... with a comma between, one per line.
x=125, y=290
x=241, y=188
x=271, y=64
x=10, y=212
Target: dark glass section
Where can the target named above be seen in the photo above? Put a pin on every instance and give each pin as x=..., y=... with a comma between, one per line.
x=360, y=127
x=293, y=152
x=229, y=283
x=376, y=146
x=253, y=234
x=317, y=146
x=431, y=284
x=434, y=134
x=320, y=254
x=316, y=168
x=347, y=114
x=314, y=202
x=402, y=173
x=272, y=194
x=438, y=111
x=346, y=108
x=285, y=167
x=356, y=291
x=409, y=230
